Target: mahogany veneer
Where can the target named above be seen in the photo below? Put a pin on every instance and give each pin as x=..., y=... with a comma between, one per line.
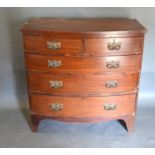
x=85, y=84
x=80, y=107
x=83, y=70
x=37, y=62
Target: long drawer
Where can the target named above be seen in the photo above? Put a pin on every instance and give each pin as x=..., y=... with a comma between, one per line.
x=82, y=84
x=82, y=106
x=60, y=64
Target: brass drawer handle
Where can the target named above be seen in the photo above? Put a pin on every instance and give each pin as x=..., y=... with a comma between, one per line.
x=111, y=84
x=55, y=84
x=110, y=106
x=114, y=45
x=54, y=63
x=56, y=106
x=112, y=64
x=53, y=45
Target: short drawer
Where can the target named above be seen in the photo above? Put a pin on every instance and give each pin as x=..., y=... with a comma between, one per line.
x=60, y=64
x=114, y=46
x=52, y=45
x=82, y=84
x=83, y=106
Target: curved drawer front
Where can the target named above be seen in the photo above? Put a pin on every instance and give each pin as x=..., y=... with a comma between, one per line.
x=82, y=107
x=114, y=46
x=82, y=84
x=83, y=64
x=52, y=45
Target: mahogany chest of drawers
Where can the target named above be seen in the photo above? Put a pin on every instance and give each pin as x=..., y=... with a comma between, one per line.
x=83, y=70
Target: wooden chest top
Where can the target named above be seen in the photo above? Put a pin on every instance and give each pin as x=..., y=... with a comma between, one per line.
x=84, y=26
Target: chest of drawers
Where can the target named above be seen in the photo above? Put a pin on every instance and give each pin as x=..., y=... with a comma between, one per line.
x=83, y=70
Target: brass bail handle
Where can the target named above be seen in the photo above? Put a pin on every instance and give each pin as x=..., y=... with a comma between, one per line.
x=53, y=45
x=112, y=64
x=54, y=63
x=56, y=106
x=55, y=84
x=114, y=45
x=110, y=106
x=111, y=84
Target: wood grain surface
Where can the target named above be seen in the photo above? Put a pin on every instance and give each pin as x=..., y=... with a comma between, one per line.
x=37, y=62
x=83, y=106
x=99, y=46
x=38, y=44
x=84, y=26
x=86, y=84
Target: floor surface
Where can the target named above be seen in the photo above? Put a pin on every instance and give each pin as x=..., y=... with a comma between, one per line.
x=15, y=132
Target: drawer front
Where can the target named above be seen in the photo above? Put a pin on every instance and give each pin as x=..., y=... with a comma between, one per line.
x=82, y=84
x=82, y=106
x=60, y=64
x=114, y=46
x=52, y=45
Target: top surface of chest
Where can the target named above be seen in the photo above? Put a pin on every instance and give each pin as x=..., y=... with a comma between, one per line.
x=86, y=26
